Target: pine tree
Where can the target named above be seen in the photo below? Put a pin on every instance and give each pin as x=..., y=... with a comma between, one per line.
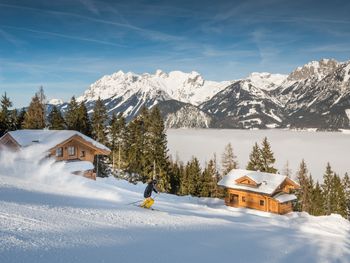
x=228, y=161
x=176, y=170
x=84, y=124
x=193, y=171
x=267, y=157
x=304, y=193
x=99, y=118
x=286, y=170
x=35, y=116
x=20, y=119
x=13, y=120
x=55, y=119
x=327, y=188
x=136, y=147
x=218, y=191
x=317, y=204
x=41, y=96
x=208, y=180
x=346, y=185
x=157, y=148
x=255, y=162
x=117, y=141
x=339, y=206
x=72, y=115
x=310, y=191
x=184, y=180
x=5, y=115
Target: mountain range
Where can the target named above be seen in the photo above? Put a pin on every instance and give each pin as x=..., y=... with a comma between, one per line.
x=315, y=95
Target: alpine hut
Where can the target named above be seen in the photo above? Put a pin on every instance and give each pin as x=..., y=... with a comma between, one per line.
x=261, y=191
x=72, y=147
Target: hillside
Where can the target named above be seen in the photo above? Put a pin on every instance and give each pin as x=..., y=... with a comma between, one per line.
x=48, y=215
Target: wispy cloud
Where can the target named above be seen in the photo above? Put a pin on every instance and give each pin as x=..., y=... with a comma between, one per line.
x=60, y=35
x=332, y=48
x=90, y=5
x=151, y=34
x=10, y=38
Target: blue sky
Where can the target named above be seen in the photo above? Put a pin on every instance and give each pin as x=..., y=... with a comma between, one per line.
x=66, y=45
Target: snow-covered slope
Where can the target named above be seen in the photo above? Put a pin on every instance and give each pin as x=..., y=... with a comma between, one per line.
x=47, y=215
x=188, y=116
x=243, y=105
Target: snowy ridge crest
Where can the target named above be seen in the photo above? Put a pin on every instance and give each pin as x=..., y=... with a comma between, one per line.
x=184, y=87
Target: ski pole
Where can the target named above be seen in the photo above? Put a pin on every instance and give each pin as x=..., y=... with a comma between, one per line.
x=135, y=202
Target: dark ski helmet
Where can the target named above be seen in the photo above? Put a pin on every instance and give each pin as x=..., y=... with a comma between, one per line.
x=154, y=181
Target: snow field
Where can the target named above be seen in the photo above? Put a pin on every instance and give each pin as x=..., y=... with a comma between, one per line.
x=49, y=215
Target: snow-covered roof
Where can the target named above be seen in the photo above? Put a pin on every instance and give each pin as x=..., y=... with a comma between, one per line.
x=282, y=197
x=50, y=138
x=74, y=166
x=267, y=182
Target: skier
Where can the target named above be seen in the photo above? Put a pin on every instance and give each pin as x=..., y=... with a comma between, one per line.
x=152, y=186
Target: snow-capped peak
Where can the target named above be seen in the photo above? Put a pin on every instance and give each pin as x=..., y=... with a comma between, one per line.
x=161, y=73
x=314, y=69
x=55, y=102
x=265, y=80
x=185, y=87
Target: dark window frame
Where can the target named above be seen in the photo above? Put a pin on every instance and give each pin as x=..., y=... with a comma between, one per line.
x=59, y=152
x=69, y=152
x=262, y=202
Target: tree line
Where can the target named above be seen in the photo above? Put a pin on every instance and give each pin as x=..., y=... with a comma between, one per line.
x=139, y=153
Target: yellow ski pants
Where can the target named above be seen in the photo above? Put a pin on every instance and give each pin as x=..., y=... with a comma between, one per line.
x=148, y=202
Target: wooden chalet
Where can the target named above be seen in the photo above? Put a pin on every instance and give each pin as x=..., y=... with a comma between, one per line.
x=74, y=148
x=261, y=191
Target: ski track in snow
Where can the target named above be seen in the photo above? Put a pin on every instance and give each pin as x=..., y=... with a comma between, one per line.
x=40, y=224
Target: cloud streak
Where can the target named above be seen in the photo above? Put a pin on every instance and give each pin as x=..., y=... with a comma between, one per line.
x=151, y=34
x=60, y=35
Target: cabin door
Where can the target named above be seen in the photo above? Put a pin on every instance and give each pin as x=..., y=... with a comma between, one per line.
x=233, y=199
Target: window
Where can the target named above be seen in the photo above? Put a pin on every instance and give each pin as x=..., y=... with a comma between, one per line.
x=262, y=202
x=233, y=199
x=71, y=150
x=82, y=154
x=243, y=198
x=59, y=152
